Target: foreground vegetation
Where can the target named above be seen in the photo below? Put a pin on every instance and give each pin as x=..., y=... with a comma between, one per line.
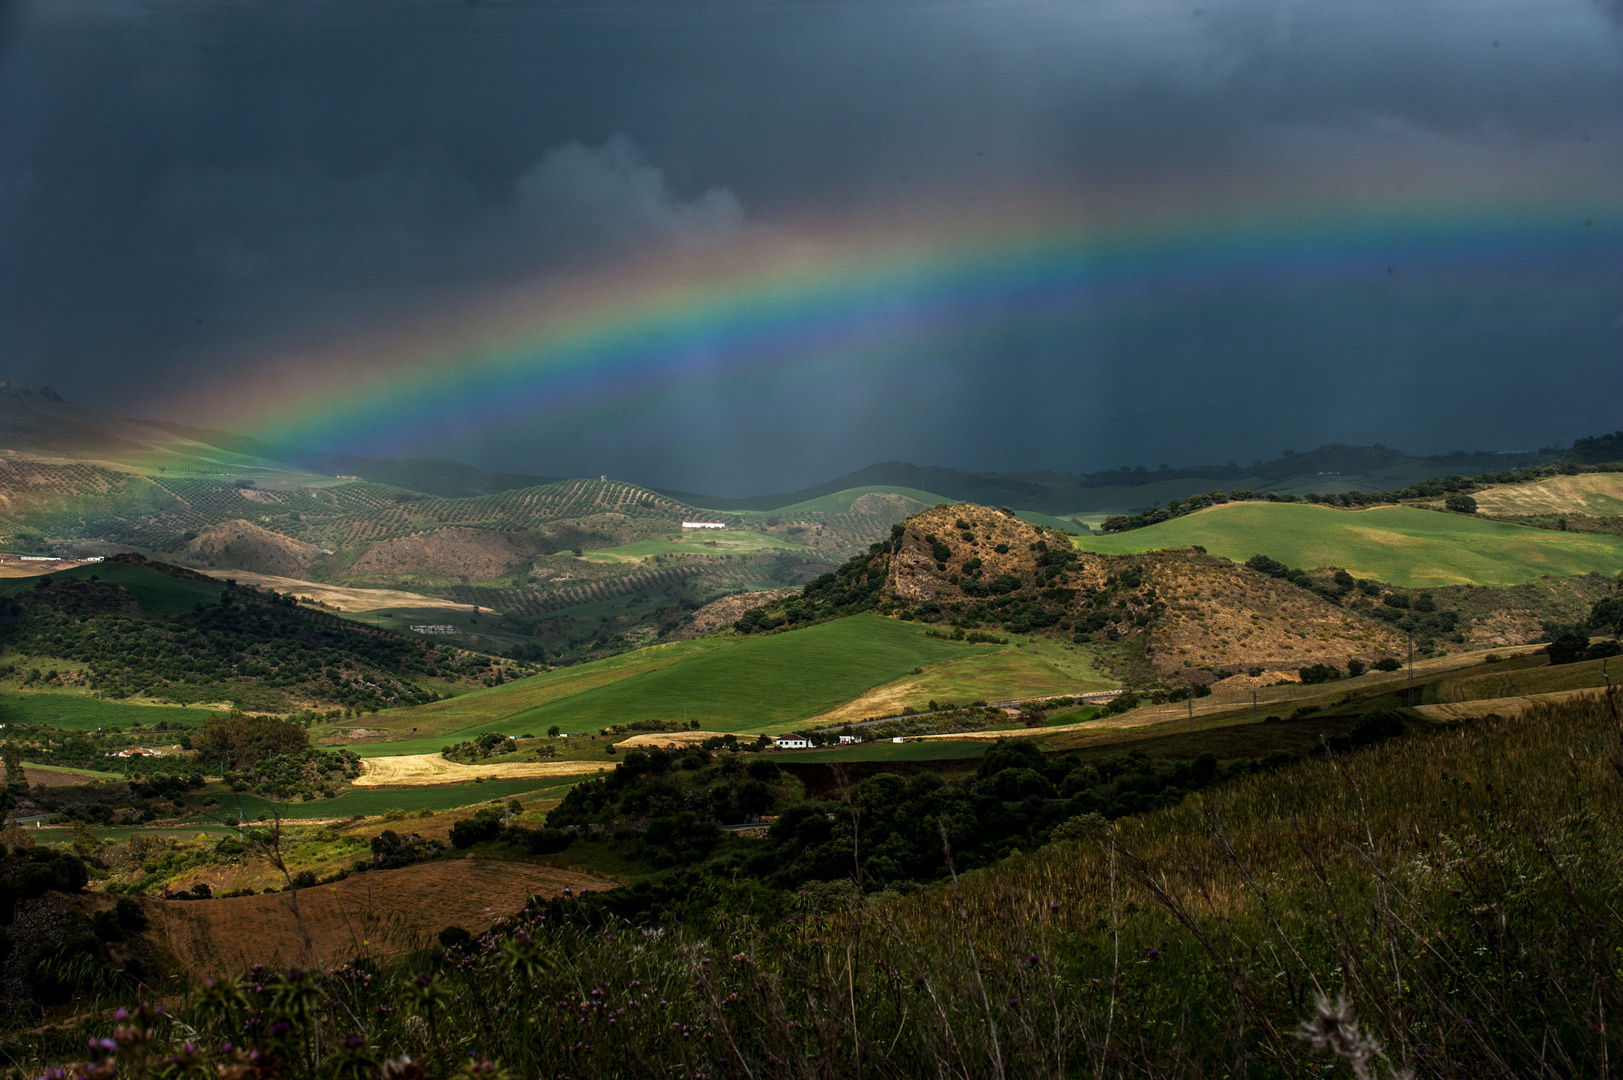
x=1446, y=903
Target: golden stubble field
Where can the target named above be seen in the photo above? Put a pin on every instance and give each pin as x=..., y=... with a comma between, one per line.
x=419, y=769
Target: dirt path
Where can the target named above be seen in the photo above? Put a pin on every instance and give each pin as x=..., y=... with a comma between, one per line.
x=378, y=913
x=419, y=769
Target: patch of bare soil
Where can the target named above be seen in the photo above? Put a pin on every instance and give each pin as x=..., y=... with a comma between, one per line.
x=13, y=567
x=1254, y=682
x=1218, y=614
x=339, y=597
x=378, y=913
x=63, y=780
x=242, y=545
x=468, y=554
x=724, y=612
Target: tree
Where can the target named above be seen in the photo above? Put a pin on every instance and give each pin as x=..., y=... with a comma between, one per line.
x=1607, y=614
x=13, y=755
x=244, y=741
x=1460, y=503
x=1568, y=648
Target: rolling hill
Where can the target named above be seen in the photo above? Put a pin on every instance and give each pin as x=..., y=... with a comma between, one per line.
x=1332, y=468
x=734, y=684
x=1397, y=544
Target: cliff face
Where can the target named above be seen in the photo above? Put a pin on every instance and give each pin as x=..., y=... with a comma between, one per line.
x=1199, y=616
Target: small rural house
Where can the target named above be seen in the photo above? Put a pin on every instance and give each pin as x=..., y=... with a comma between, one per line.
x=792, y=743
x=850, y=738
x=704, y=525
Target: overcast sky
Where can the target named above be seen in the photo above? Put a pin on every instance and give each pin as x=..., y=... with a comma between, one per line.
x=190, y=189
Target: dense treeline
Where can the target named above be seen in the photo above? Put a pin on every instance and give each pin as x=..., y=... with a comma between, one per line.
x=666, y=810
x=248, y=645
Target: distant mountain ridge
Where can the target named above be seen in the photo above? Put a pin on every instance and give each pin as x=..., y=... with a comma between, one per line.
x=1331, y=468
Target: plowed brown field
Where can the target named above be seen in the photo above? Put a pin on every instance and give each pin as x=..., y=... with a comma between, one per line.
x=378, y=913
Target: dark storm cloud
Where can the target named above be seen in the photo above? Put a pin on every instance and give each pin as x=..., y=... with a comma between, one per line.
x=184, y=184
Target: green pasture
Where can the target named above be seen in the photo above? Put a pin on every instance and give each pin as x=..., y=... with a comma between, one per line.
x=744, y=685
x=1397, y=544
x=91, y=775
x=379, y=800
x=694, y=542
x=1047, y=521
x=80, y=712
x=1032, y=667
x=488, y=710
x=759, y=684
x=158, y=594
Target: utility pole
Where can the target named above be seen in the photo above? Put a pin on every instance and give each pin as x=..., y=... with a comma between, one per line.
x=1191, y=711
x=1253, y=705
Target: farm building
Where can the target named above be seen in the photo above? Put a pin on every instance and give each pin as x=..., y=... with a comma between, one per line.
x=792, y=743
x=704, y=525
x=850, y=738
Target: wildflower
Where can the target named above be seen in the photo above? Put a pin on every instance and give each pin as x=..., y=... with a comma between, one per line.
x=1335, y=1029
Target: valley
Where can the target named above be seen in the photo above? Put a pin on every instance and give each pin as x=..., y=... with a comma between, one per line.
x=362, y=724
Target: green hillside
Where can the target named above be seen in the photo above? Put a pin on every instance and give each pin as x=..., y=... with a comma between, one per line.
x=753, y=684
x=157, y=593
x=840, y=501
x=1397, y=544
x=81, y=712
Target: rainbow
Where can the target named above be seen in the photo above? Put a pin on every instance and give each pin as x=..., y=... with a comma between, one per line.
x=825, y=300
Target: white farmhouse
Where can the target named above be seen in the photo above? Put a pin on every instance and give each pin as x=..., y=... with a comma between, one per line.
x=704, y=524
x=791, y=742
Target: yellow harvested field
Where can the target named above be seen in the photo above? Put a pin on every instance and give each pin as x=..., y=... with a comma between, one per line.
x=1600, y=494
x=339, y=597
x=1505, y=706
x=668, y=738
x=377, y=914
x=421, y=769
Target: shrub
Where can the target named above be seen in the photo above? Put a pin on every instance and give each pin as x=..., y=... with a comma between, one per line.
x=454, y=937
x=1568, y=648
x=475, y=830
x=1319, y=673
x=1460, y=503
x=1388, y=663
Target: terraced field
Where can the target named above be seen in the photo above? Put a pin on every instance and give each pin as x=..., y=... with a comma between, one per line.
x=1396, y=544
